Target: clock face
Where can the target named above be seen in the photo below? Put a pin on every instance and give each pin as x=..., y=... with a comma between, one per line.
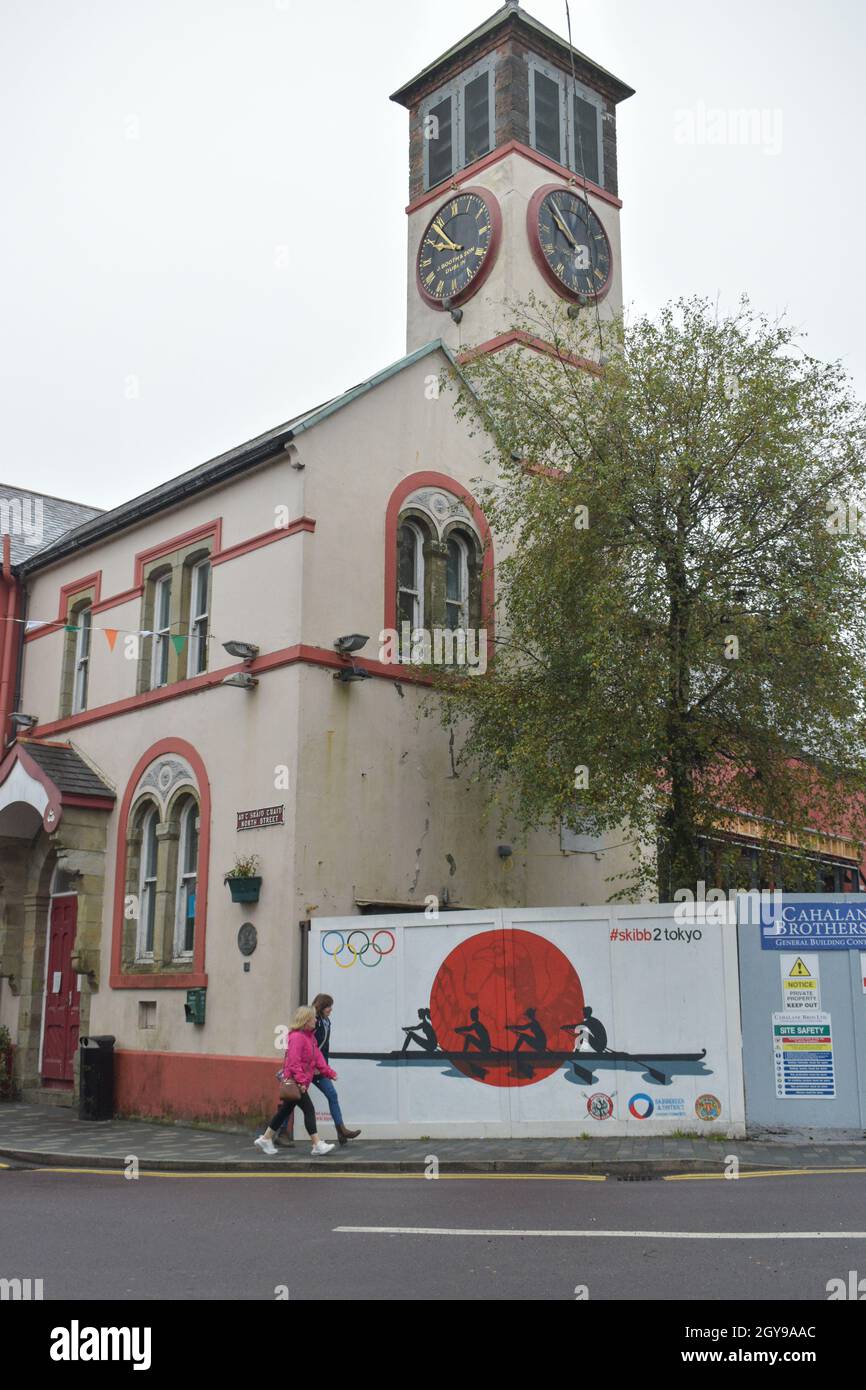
x=570, y=243
x=458, y=249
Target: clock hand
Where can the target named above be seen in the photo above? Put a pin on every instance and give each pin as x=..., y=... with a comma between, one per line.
x=445, y=237
x=562, y=224
x=440, y=246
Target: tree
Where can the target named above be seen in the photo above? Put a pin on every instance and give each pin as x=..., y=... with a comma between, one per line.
x=682, y=603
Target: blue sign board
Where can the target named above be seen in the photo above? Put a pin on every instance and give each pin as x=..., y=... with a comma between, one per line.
x=814, y=925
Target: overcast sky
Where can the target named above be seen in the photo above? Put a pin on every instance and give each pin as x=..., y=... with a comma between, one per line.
x=204, y=228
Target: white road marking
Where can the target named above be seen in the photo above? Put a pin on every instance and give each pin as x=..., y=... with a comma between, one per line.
x=602, y=1235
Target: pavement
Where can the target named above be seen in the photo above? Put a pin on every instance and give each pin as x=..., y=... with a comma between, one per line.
x=54, y=1136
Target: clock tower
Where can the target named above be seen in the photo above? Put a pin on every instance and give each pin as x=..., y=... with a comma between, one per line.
x=512, y=182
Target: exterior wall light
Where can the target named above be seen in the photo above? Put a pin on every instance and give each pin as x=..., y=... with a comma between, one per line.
x=245, y=651
x=241, y=680
x=353, y=643
x=24, y=721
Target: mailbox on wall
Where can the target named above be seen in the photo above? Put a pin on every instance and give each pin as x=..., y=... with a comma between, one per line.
x=194, y=1008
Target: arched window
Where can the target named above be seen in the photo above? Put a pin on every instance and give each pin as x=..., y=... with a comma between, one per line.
x=410, y=570
x=161, y=888
x=84, y=621
x=148, y=884
x=197, y=619
x=457, y=582
x=187, y=878
x=161, y=631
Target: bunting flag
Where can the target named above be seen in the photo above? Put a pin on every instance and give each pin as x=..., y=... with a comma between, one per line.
x=179, y=639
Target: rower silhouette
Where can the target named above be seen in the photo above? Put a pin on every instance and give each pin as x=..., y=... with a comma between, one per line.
x=475, y=1035
x=428, y=1041
x=592, y=1029
x=529, y=1032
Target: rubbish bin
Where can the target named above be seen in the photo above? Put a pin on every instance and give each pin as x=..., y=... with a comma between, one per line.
x=96, y=1077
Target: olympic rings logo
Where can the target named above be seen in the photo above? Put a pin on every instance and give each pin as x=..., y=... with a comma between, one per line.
x=370, y=944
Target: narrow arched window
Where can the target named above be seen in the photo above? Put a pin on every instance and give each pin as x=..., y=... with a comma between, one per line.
x=147, y=887
x=410, y=562
x=198, y=618
x=457, y=584
x=187, y=879
x=161, y=631
x=84, y=623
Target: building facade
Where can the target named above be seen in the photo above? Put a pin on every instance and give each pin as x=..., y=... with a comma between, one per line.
x=181, y=693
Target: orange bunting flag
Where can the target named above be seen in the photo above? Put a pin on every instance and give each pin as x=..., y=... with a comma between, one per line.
x=111, y=636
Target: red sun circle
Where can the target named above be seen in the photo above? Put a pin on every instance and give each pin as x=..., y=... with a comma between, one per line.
x=502, y=974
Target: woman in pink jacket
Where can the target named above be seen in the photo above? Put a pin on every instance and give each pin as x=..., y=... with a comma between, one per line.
x=302, y=1062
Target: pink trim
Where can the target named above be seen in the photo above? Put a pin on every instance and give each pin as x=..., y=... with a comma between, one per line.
x=213, y=529
x=294, y=528
x=541, y=260
x=491, y=202
x=513, y=147
x=392, y=516
x=128, y=596
x=142, y=557
x=288, y=656
x=505, y=340
x=53, y=813
x=196, y=977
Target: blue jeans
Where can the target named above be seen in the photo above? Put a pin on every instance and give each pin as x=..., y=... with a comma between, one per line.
x=329, y=1091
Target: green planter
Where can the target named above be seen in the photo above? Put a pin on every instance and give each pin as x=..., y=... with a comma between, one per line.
x=244, y=890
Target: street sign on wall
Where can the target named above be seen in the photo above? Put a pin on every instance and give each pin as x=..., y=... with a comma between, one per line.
x=259, y=820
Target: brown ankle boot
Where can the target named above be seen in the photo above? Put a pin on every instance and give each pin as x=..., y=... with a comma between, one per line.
x=346, y=1134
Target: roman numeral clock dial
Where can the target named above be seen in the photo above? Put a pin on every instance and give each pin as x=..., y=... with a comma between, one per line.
x=569, y=244
x=458, y=248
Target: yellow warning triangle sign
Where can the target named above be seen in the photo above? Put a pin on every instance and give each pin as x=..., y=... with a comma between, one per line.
x=798, y=968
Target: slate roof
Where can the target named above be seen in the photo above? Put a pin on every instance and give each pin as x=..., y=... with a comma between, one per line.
x=67, y=769
x=513, y=15
x=256, y=451
x=34, y=521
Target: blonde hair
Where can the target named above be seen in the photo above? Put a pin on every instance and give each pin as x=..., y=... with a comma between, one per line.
x=303, y=1018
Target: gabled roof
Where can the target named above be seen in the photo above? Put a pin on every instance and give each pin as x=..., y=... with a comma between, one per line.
x=33, y=521
x=71, y=775
x=264, y=448
x=511, y=15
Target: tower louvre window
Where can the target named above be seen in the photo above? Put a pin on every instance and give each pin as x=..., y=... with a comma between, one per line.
x=586, y=123
x=546, y=109
x=458, y=123
x=441, y=141
x=477, y=103
x=565, y=121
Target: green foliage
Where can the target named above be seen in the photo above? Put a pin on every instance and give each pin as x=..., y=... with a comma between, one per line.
x=676, y=612
x=245, y=866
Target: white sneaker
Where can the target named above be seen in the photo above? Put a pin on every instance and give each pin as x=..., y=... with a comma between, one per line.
x=320, y=1148
x=267, y=1146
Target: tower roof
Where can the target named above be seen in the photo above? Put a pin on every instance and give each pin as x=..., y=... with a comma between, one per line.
x=509, y=19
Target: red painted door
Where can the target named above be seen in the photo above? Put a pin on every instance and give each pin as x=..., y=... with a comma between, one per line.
x=62, y=1012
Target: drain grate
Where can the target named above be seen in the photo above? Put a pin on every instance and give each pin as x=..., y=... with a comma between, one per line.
x=650, y=1177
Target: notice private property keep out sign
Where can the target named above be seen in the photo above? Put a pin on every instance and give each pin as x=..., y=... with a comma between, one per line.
x=816, y=925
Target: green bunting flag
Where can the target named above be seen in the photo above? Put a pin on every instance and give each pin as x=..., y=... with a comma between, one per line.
x=178, y=641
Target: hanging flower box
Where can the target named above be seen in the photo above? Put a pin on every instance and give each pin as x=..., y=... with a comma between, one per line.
x=244, y=881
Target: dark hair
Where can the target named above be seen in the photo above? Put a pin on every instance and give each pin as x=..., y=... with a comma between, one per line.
x=322, y=1002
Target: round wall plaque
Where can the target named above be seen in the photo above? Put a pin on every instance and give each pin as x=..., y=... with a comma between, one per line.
x=248, y=939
